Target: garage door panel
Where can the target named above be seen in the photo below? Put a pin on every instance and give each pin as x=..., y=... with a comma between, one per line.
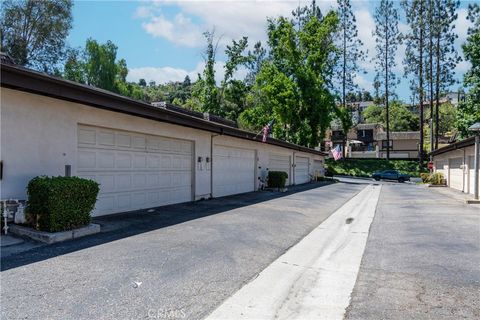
x=86, y=159
x=105, y=204
x=302, y=174
x=107, y=182
x=138, y=142
x=130, y=176
x=123, y=160
x=123, y=182
x=124, y=140
x=280, y=162
x=233, y=170
x=123, y=201
x=86, y=136
x=106, y=138
x=456, y=173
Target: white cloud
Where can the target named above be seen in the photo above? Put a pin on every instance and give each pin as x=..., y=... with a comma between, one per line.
x=231, y=19
x=180, y=30
x=142, y=12
x=462, y=25
x=363, y=83
x=462, y=67
x=366, y=26
x=166, y=74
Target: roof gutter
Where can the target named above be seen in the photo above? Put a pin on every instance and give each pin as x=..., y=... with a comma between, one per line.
x=454, y=146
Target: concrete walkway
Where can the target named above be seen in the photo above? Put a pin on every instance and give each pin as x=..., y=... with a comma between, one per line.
x=314, y=279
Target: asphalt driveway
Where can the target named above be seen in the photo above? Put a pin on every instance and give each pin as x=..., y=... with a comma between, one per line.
x=177, y=262
x=422, y=259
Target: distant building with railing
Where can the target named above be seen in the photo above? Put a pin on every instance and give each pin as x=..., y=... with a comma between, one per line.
x=369, y=140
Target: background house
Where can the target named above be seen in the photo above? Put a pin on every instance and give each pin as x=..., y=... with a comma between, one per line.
x=369, y=140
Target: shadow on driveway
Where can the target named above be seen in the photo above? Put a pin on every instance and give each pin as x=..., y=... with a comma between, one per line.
x=123, y=225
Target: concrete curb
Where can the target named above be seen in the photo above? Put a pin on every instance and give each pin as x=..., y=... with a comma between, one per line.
x=472, y=201
x=54, y=237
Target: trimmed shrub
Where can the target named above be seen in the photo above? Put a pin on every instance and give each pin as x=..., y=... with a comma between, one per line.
x=436, y=178
x=425, y=177
x=61, y=203
x=277, y=179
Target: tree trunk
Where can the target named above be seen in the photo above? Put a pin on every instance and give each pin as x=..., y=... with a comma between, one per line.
x=344, y=75
x=386, y=88
x=430, y=60
x=437, y=93
x=420, y=83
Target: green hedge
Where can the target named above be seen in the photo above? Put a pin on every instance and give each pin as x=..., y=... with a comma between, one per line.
x=366, y=167
x=61, y=203
x=277, y=179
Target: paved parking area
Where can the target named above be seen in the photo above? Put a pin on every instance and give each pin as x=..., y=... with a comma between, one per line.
x=178, y=262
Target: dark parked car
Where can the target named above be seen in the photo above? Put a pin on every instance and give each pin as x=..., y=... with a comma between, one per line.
x=391, y=175
x=328, y=173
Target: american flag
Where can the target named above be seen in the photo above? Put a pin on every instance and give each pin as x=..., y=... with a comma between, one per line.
x=337, y=153
x=267, y=130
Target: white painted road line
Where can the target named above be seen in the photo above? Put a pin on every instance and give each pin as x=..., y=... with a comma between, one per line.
x=315, y=278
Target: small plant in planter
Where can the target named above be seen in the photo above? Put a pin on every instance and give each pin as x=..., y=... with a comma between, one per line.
x=60, y=203
x=277, y=179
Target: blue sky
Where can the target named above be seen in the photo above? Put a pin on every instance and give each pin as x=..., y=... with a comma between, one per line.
x=162, y=40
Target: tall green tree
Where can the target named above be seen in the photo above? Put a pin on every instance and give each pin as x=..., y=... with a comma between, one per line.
x=468, y=111
x=100, y=64
x=254, y=62
x=442, y=55
x=232, y=96
x=402, y=119
x=209, y=91
x=293, y=84
x=74, y=68
x=349, y=48
x=97, y=65
x=33, y=32
x=229, y=99
x=414, y=62
x=387, y=39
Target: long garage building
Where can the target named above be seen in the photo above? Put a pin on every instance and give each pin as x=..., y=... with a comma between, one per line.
x=142, y=155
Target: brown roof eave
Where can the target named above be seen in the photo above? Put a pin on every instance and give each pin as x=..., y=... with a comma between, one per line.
x=19, y=78
x=454, y=146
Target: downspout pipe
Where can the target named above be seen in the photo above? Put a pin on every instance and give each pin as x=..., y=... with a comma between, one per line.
x=211, y=162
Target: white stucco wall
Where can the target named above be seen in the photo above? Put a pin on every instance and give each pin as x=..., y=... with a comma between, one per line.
x=465, y=154
x=39, y=137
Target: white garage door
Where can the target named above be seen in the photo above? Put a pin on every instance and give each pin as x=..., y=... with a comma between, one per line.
x=135, y=171
x=441, y=167
x=456, y=173
x=301, y=170
x=279, y=162
x=233, y=170
x=318, y=168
